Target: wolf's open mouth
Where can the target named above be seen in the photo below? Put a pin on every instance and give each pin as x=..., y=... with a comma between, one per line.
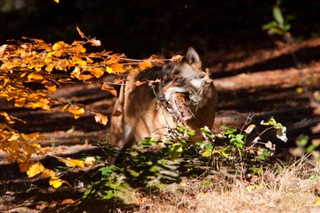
x=179, y=106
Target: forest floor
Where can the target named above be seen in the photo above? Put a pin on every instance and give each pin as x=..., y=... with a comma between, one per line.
x=263, y=82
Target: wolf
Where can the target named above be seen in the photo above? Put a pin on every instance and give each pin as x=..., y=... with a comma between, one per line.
x=178, y=93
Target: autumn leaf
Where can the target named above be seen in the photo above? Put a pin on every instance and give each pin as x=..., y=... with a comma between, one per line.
x=51, y=87
x=46, y=173
x=57, y=1
x=77, y=111
x=97, y=72
x=109, y=89
x=35, y=76
x=176, y=58
x=85, y=77
x=65, y=107
x=117, y=68
x=81, y=33
x=139, y=83
x=145, y=64
x=71, y=162
x=57, y=182
x=109, y=70
x=101, y=119
x=67, y=201
x=35, y=169
x=95, y=42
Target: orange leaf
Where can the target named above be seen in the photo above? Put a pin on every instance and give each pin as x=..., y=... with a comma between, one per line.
x=51, y=87
x=101, y=119
x=118, y=68
x=176, y=58
x=145, y=64
x=139, y=83
x=35, y=76
x=84, y=77
x=46, y=173
x=77, y=111
x=67, y=201
x=57, y=1
x=97, y=72
x=80, y=33
x=110, y=89
x=19, y=102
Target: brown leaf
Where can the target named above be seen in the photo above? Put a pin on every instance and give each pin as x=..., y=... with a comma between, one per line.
x=81, y=33
x=67, y=201
x=109, y=89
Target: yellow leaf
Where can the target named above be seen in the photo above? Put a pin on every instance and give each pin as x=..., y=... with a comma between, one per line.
x=35, y=169
x=35, y=76
x=109, y=70
x=71, y=162
x=65, y=107
x=77, y=111
x=97, y=72
x=57, y=1
x=80, y=32
x=101, y=119
x=56, y=182
x=109, y=89
x=145, y=64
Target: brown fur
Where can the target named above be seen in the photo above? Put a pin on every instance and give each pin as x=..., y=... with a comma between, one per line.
x=143, y=115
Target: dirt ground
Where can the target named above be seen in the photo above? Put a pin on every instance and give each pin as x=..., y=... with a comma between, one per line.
x=254, y=73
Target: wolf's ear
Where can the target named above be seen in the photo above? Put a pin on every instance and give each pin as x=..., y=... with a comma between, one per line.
x=193, y=58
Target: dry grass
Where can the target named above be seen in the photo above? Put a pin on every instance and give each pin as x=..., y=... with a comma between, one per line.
x=295, y=188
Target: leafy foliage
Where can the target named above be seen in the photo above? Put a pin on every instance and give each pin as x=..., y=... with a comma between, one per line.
x=32, y=68
x=153, y=162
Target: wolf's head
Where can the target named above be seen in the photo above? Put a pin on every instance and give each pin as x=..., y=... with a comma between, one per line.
x=186, y=87
x=183, y=77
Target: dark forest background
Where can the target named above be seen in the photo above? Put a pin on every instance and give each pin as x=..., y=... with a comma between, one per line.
x=141, y=28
